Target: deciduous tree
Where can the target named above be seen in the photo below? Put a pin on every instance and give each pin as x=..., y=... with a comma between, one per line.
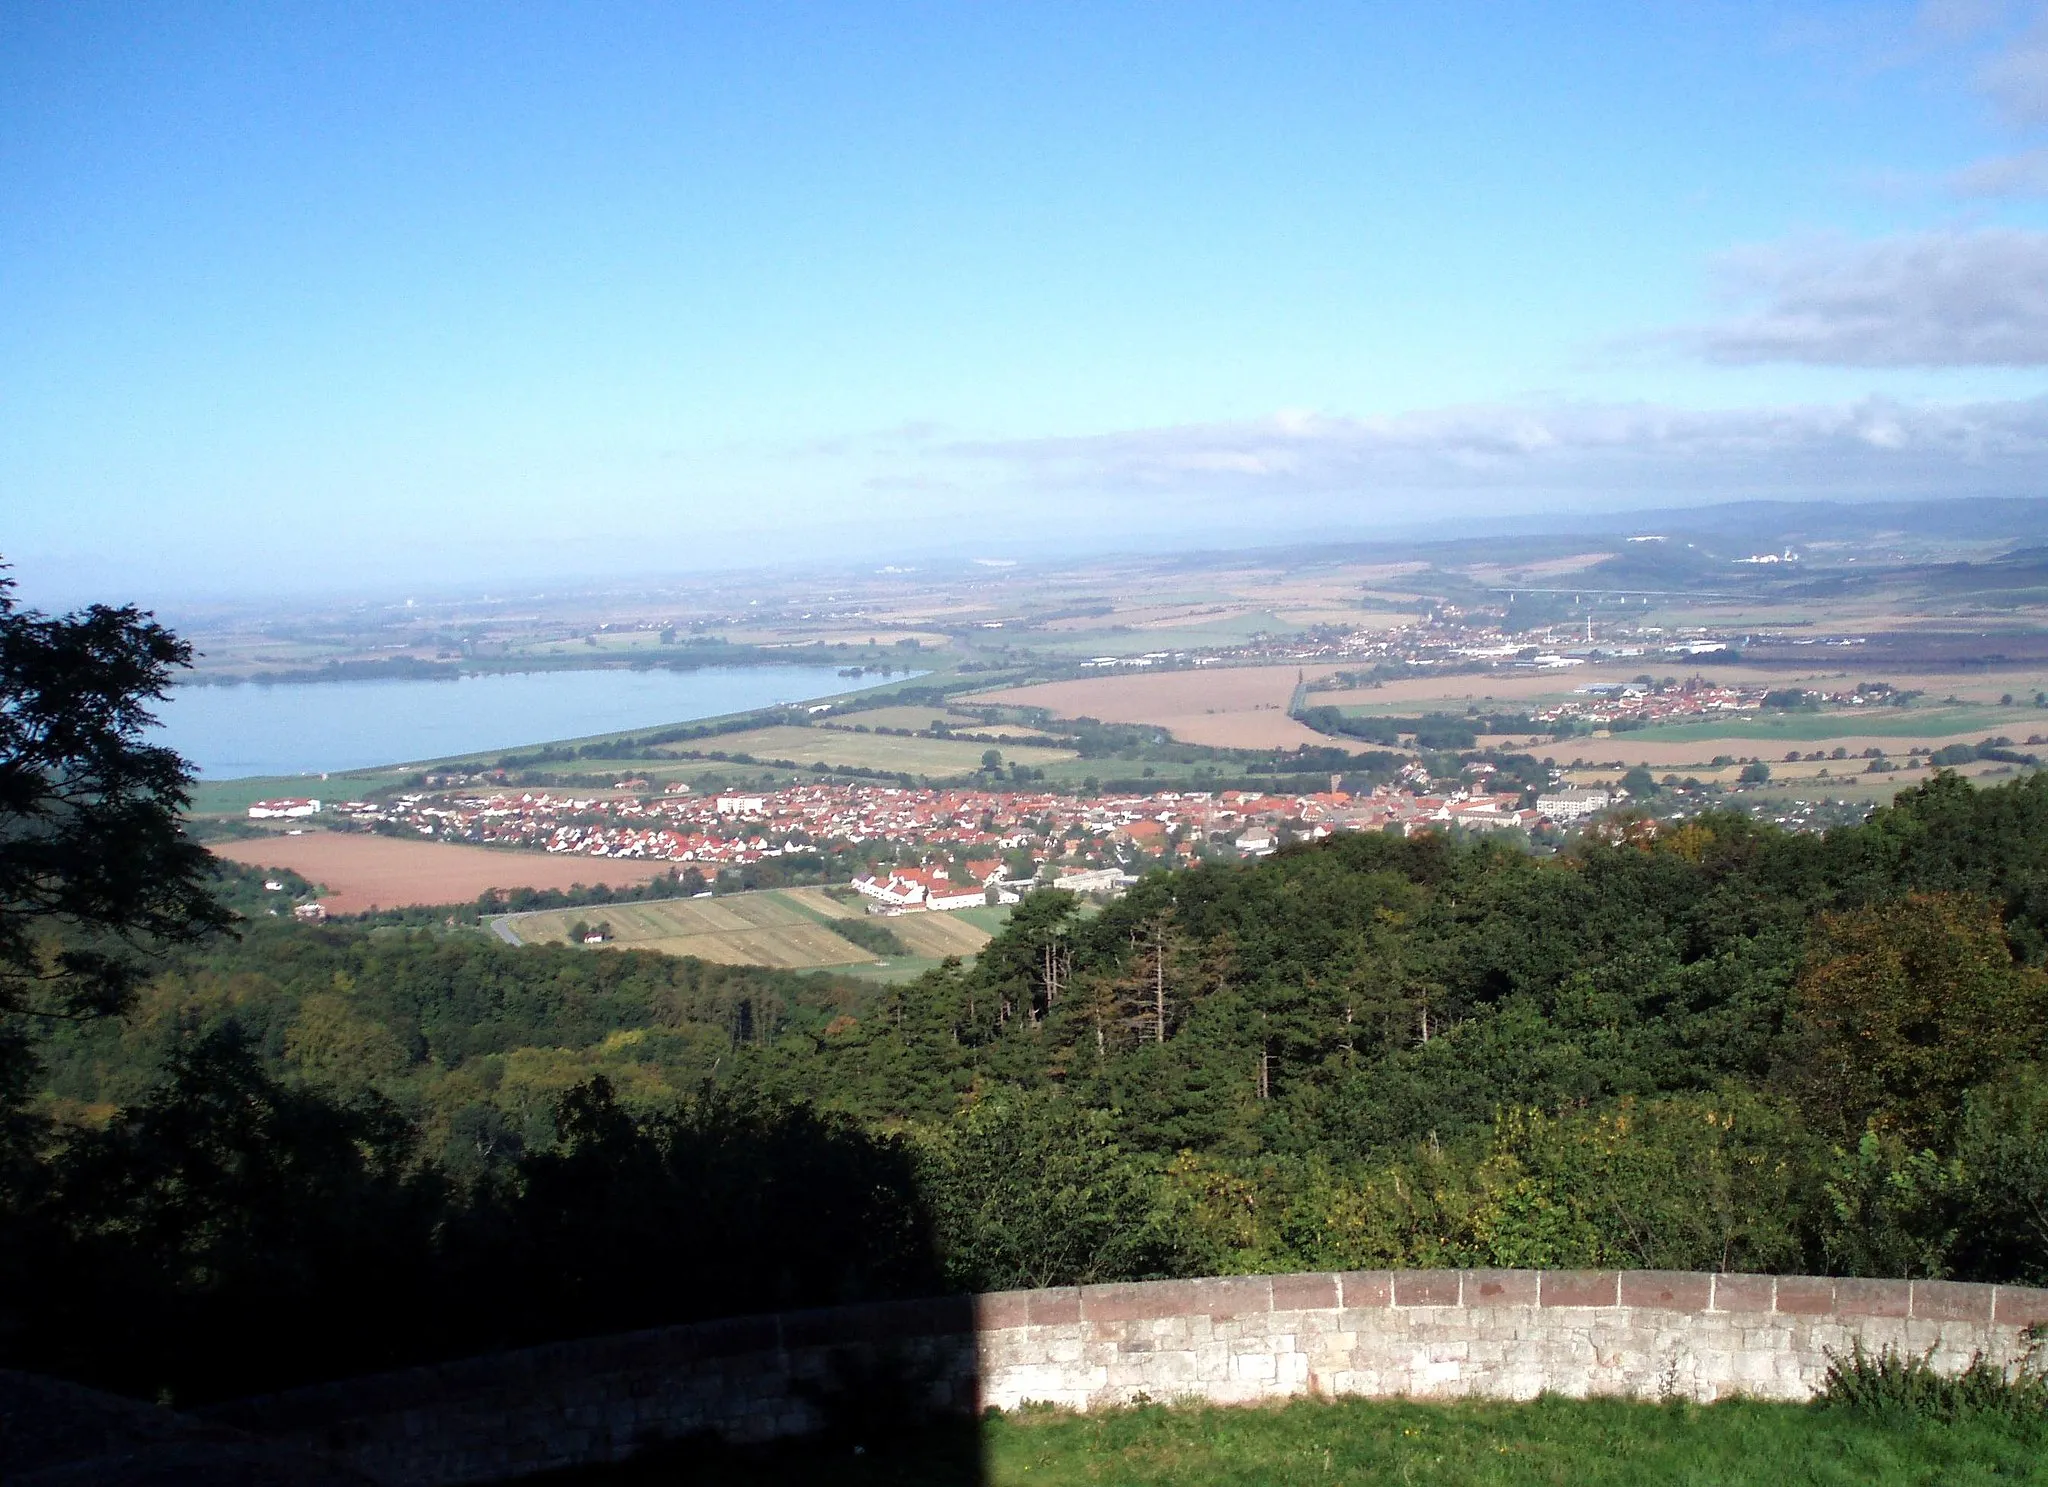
x=1905, y=1005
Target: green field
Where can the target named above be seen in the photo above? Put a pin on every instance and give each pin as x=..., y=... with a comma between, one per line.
x=788, y=928
x=1548, y=1443
x=1886, y=722
x=927, y=756
x=234, y=797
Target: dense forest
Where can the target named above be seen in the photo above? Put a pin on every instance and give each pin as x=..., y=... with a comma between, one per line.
x=310, y=1150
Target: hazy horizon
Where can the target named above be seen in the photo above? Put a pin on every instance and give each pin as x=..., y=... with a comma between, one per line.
x=344, y=299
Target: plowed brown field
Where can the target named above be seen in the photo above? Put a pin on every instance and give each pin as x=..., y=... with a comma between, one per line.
x=363, y=872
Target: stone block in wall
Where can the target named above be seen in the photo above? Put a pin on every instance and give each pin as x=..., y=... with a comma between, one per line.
x=1365, y=1288
x=1303, y=1292
x=1873, y=1298
x=1499, y=1288
x=1229, y=1296
x=1579, y=1288
x=1426, y=1288
x=1667, y=1290
x=1951, y=1301
x=1001, y=1309
x=1059, y=1306
x=1137, y=1300
x=1805, y=1296
x=2019, y=1306
x=1743, y=1293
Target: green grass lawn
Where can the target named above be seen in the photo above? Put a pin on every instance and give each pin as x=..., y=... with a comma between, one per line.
x=1570, y=1443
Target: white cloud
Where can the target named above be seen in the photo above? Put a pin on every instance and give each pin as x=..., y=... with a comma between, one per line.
x=2024, y=174
x=1566, y=452
x=1936, y=299
x=2016, y=75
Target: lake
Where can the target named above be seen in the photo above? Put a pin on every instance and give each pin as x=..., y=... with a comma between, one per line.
x=230, y=732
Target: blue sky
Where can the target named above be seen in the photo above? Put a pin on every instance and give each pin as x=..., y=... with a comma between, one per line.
x=298, y=296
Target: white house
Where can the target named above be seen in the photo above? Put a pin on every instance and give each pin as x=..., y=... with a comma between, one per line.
x=278, y=810
x=1091, y=880
x=894, y=891
x=1570, y=805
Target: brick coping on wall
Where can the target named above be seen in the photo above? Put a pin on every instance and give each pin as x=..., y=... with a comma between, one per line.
x=1661, y=1290
x=1218, y=1298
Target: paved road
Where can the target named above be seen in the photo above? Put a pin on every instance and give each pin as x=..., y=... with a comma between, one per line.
x=502, y=928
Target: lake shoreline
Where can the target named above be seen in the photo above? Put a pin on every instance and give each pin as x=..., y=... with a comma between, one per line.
x=407, y=669
x=347, y=726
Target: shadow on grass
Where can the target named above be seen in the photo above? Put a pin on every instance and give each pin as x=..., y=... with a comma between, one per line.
x=944, y=1454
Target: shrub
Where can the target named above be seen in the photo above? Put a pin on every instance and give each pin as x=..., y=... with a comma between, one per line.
x=1906, y=1387
x=878, y=939
x=1031, y=1190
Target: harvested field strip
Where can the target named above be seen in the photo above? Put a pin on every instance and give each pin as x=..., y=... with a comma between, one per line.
x=818, y=901
x=938, y=934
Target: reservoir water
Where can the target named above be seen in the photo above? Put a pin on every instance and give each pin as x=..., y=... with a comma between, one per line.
x=232, y=732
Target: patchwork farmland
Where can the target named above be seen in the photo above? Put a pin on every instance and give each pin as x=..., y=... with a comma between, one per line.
x=788, y=928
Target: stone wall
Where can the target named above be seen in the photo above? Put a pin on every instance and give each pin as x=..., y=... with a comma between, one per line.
x=1241, y=1339
x=1501, y=1333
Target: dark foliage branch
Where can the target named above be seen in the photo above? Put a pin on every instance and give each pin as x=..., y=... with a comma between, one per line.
x=94, y=866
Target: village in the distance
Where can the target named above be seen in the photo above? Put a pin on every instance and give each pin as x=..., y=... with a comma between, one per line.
x=1077, y=726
